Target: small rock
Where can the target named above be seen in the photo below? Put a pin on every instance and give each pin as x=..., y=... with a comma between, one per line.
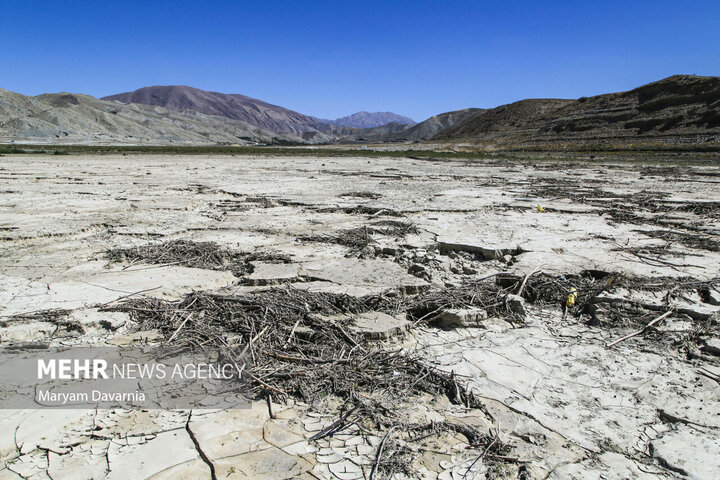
x=379, y=326
x=488, y=252
x=416, y=268
x=712, y=346
x=304, y=333
x=469, y=271
x=697, y=311
x=713, y=297
x=460, y=317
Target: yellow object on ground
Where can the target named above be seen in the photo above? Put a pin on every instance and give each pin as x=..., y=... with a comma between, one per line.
x=571, y=298
x=541, y=209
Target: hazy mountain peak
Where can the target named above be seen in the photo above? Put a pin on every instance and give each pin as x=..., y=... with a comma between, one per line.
x=371, y=120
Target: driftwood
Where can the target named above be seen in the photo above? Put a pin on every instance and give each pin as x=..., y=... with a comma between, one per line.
x=661, y=317
x=378, y=457
x=291, y=343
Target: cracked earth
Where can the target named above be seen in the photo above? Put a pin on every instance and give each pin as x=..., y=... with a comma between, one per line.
x=562, y=402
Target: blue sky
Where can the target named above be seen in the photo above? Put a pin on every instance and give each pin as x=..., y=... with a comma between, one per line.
x=333, y=58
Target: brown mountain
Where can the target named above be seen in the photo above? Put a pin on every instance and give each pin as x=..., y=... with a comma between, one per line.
x=682, y=109
x=237, y=107
x=398, y=132
x=74, y=118
x=678, y=109
x=437, y=124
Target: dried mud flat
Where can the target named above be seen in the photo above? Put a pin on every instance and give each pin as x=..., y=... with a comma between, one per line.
x=408, y=318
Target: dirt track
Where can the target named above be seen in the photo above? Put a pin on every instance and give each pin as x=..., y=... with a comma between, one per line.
x=560, y=402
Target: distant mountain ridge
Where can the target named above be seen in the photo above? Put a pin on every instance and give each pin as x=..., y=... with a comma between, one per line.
x=682, y=109
x=677, y=109
x=370, y=120
x=70, y=117
x=237, y=107
x=250, y=110
x=397, y=132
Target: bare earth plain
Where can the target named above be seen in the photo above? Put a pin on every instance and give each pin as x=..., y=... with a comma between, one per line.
x=409, y=317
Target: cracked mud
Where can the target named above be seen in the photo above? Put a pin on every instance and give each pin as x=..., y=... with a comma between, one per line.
x=416, y=314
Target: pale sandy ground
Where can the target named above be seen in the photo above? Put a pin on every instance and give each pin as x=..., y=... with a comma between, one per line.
x=569, y=406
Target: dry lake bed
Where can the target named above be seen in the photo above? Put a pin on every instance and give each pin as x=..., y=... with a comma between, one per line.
x=407, y=318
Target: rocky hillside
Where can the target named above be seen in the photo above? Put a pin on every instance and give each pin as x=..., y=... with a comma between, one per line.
x=678, y=109
x=397, y=132
x=438, y=124
x=370, y=120
x=77, y=118
x=237, y=107
x=681, y=109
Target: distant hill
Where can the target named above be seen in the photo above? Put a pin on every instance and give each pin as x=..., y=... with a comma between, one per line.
x=383, y=133
x=438, y=124
x=370, y=120
x=681, y=108
x=397, y=132
x=237, y=107
x=70, y=117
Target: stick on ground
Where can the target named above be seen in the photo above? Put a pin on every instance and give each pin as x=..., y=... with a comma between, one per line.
x=379, y=454
x=661, y=317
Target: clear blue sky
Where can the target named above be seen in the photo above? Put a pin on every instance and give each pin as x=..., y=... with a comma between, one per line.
x=332, y=58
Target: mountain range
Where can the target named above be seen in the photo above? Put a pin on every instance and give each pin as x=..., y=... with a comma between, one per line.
x=251, y=110
x=370, y=120
x=678, y=109
x=74, y=118
x=237, y=107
